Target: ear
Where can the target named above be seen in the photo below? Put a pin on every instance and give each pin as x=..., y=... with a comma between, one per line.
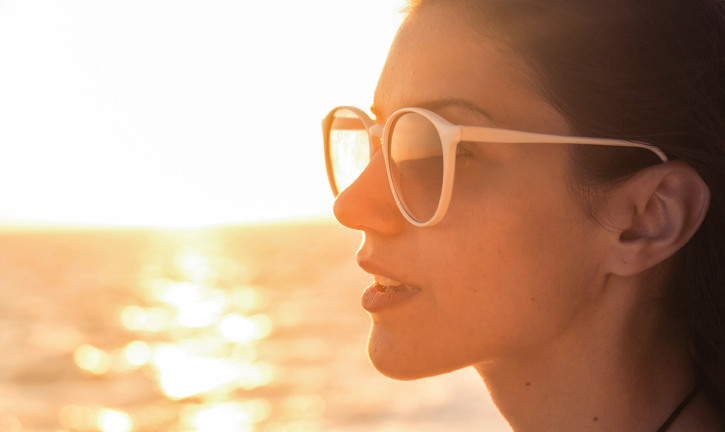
x=653, y=215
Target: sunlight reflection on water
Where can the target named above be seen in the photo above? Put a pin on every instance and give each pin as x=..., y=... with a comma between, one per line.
x=194, y=340
x=245, y=329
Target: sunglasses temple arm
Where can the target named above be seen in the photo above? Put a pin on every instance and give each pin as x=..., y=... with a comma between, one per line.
x=481, y=134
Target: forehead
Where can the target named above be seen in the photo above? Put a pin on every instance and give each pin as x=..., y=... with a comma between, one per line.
x=437, y=56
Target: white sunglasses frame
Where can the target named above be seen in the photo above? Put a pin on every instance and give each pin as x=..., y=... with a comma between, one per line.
x=450, y=136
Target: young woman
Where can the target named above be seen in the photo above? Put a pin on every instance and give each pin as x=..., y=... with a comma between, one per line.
x=542, y=197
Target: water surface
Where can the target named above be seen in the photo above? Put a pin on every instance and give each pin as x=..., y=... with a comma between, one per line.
x=241, y=329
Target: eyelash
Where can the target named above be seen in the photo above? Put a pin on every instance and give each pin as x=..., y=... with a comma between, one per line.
x=464, y=154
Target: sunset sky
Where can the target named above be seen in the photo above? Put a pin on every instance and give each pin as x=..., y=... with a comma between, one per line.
x=177, y=113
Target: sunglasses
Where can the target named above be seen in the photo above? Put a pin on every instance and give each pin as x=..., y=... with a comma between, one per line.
x=419, y=150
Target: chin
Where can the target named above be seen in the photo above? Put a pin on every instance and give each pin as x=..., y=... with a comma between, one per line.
x=396, y=371
x=405, y=360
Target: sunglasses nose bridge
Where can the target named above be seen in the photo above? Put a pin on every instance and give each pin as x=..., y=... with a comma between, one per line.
x=375, y=134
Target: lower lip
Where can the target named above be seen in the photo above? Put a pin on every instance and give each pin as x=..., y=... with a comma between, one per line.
x=376, y=301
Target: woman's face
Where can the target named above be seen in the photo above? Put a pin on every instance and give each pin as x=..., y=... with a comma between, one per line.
x=507, y=270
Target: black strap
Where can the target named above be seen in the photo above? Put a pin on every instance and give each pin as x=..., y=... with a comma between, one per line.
x=678, y=410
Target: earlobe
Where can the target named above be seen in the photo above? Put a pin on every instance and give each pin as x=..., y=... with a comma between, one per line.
x=655, y=213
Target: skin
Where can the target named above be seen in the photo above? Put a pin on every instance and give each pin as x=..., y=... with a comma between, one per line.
x=553, y=310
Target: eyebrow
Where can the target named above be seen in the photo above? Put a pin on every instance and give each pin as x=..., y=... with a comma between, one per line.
x=438, y=104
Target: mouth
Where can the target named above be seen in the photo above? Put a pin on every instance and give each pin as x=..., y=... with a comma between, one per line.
x=385, y=284
x=386, y=293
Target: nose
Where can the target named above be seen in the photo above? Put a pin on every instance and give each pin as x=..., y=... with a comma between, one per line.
x=368, y=203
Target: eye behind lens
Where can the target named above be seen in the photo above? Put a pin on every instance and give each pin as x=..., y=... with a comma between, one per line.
x=416, y=164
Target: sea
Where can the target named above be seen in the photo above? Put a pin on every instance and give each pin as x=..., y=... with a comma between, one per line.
x=254, y=328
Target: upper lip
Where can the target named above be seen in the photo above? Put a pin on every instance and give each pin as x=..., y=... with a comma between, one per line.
x=373, y=269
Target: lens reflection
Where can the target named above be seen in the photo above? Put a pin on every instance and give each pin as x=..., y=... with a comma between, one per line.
x=416, y=165
x=349, y=148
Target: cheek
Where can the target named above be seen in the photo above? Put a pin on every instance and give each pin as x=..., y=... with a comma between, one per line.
x=502, y=273
x=516, y=271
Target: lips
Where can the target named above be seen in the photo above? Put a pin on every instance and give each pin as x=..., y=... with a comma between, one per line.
x=385, y=284
x=386, y=293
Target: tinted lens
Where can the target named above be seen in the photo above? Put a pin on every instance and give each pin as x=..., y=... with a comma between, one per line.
x=349, y=148
x=416, y=165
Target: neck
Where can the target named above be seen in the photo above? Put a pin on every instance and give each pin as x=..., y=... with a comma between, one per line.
x=604, y=372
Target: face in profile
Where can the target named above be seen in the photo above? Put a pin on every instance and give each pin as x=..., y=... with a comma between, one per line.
x=502, y=273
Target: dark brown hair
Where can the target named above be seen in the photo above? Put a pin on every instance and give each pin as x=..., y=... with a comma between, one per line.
x=646, y=70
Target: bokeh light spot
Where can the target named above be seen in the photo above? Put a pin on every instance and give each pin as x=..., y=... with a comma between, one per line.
x=236, y=328
x=226, y=417
x=133, y=317
x=92, y=359
x=137, y=353
x=108, y=420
